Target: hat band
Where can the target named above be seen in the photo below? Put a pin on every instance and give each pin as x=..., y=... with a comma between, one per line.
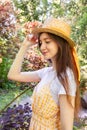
x=66, y=33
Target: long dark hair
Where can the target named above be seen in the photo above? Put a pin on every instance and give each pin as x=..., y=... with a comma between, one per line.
x=65, y=59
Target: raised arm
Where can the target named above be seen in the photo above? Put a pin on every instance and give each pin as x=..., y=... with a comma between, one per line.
x=15, y=70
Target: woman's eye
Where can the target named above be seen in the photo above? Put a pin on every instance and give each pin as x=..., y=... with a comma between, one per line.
x=47, y=42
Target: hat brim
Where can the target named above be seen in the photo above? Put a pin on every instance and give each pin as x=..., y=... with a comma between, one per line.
x=56, y=32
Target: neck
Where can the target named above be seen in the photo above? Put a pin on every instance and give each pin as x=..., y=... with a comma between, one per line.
x=53, y=64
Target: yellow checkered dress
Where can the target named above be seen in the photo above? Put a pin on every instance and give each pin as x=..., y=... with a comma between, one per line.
x=46, y=114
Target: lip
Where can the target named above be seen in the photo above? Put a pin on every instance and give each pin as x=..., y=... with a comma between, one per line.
x=44, y=53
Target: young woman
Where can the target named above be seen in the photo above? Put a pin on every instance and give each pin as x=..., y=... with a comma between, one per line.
x=55, y=100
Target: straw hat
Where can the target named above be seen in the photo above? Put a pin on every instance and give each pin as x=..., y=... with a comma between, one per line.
x=57, y=27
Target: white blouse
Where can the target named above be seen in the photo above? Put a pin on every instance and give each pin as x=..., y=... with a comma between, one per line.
x=48, y=75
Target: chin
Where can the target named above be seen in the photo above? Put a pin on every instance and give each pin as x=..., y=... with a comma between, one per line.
x=47, y=58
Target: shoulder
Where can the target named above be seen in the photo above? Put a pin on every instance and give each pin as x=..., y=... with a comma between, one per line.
x=69, y=72
x=70, y=75
x=42, y=72
x=71, y=81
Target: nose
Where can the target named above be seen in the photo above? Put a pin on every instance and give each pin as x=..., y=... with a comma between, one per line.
x=43, y=46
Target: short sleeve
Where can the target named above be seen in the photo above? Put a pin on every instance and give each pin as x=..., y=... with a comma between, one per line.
x=62, y=90
x=42, y=72
x=71, y=82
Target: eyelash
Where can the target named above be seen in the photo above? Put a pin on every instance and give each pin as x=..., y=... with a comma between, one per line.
x=47, y=42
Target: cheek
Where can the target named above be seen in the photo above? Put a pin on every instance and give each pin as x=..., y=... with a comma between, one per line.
x=56, y=51
x=56, y=48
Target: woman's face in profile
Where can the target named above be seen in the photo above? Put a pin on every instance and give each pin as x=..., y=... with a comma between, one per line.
x=48, y=46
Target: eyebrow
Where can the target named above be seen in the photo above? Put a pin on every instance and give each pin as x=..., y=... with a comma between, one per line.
x=46, y=38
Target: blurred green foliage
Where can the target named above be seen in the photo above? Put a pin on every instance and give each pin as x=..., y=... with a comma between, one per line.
x=4, y=68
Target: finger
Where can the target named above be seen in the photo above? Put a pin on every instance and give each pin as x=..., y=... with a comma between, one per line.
x=30, y=36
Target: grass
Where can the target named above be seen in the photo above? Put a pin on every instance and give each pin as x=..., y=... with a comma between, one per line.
x=6, y=96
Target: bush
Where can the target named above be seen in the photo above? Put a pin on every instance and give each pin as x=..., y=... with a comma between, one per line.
x=16, y=118
x=4, y=68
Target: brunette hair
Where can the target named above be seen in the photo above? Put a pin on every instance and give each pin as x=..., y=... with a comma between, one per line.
x=65, y=59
